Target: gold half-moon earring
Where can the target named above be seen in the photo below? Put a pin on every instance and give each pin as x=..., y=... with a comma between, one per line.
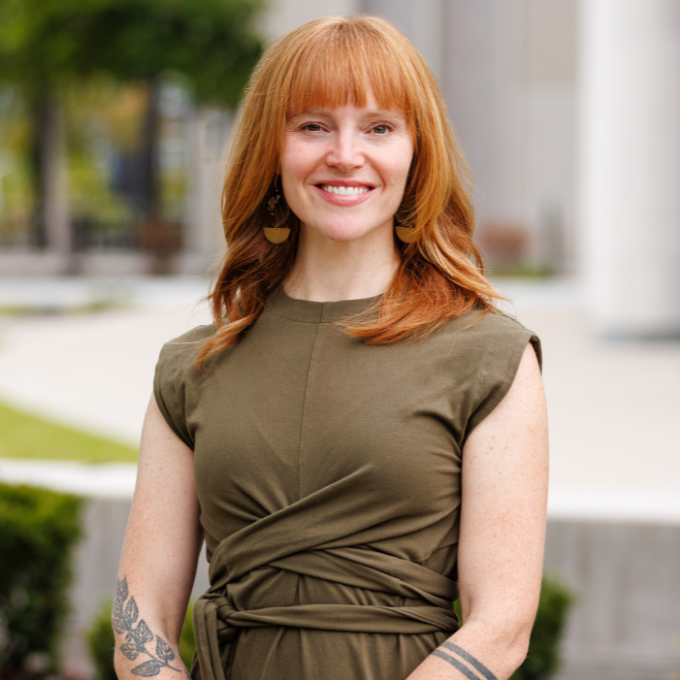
x=277, y=214
x=406, y=230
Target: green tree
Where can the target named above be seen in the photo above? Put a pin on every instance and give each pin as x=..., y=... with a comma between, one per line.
x=45, y=44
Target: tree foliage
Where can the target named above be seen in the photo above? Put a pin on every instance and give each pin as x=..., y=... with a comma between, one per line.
x=213, y=43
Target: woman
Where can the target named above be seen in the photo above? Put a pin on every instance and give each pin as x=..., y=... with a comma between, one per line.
x=359, y=433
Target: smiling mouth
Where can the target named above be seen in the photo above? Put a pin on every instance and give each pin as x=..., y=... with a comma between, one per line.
x=344, y=191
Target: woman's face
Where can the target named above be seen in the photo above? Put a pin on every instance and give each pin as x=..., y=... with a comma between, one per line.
x=344, y=170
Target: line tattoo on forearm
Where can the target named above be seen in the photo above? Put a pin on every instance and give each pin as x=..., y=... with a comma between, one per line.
x=466, y=656
x=123, y=618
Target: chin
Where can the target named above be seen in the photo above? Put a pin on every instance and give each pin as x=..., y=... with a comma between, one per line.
x=343, y=236
x=343, y=233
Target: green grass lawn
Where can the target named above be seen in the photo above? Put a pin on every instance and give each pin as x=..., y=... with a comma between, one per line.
x=23, y=435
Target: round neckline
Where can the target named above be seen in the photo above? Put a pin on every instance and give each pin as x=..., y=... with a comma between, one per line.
x=281, y=304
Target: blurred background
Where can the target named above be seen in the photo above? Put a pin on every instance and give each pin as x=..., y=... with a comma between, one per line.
x=115, y=116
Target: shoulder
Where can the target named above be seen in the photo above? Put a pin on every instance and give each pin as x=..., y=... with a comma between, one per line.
x=492, y=323
x=177, y=356
x=505, y=335
x=487, y=348
x=490, y=334
x=192, y=338
x=176, y=378
x=180, y=352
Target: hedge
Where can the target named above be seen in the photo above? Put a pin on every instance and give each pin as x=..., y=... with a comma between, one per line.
x=38, y=530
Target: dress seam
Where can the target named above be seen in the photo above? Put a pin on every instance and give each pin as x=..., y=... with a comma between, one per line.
x=304, y=409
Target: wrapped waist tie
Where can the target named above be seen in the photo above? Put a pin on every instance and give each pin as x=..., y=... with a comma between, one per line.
x=217, y=622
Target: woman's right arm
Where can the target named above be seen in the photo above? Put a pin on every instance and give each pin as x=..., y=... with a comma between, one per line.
x=159, y=558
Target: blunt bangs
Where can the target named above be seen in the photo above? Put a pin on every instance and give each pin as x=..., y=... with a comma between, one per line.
x=339, y=66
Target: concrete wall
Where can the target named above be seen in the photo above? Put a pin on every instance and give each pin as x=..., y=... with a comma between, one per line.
x=624, y=626
x=626, y=622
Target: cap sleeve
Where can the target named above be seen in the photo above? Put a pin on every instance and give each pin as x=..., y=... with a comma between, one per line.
x=504, y=340
x=175, y=378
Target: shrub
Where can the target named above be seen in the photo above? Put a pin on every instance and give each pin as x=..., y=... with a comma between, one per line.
x=101, y=641
x=543, y=659
x=38, y=529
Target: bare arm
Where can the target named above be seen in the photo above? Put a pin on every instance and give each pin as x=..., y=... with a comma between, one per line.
x=160, y=554
x=503, y=514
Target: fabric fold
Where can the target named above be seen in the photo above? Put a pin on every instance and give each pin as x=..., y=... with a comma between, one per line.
x=217, y=621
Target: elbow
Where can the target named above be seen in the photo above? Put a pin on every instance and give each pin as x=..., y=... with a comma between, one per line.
x=121, y=665
x=517, y=643
x=517, y=652
x=117, y=663
x=508, y=638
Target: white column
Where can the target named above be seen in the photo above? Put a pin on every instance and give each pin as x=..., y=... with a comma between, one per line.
x=204, y=239
x=630, y=165
x=421, y=23
x=285, y=15
x=482, y=81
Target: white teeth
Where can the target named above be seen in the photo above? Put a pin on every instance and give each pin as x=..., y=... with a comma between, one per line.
x=344, y=191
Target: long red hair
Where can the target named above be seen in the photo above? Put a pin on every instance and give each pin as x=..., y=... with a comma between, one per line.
x=324, y=63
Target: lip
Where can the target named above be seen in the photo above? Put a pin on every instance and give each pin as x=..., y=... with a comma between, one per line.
x=335, y=199
x=344, y=183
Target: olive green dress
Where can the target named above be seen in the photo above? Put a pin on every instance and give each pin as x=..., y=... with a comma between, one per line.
x=328, y=474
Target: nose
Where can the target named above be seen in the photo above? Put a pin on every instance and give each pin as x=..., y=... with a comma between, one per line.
x=345, y=153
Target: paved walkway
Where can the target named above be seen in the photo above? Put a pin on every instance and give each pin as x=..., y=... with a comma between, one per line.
x=615, y=435
x=92, y=370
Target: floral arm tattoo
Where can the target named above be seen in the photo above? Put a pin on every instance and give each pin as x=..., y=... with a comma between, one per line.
x=468, y=672
x=123, y=618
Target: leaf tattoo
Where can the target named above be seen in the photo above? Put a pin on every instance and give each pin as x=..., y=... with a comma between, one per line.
x=148, y=668
x=124, y=615
x=130, y=651
x=142, y=634
x=131, y=611
x=164, y=650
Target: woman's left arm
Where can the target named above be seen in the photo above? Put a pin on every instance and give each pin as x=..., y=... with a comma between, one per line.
x=503, y=515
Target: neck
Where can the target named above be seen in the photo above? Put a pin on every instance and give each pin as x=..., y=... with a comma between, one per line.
x=331, y=271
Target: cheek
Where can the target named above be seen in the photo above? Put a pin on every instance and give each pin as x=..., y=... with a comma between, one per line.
x=295, y=167
x=289, y=175
x=400, y=166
